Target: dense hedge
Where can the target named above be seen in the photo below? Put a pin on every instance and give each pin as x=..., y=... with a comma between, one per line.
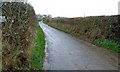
x=98, y=26
x=18, y=33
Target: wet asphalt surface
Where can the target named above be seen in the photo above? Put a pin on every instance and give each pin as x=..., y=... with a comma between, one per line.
x=65, y=52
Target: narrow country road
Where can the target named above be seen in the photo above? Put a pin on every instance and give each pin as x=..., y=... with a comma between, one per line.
x=64, y=52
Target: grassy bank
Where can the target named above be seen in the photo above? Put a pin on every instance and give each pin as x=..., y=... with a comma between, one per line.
x=38, y=51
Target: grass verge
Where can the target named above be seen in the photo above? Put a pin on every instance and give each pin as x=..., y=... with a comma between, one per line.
x=38, y=52
x=109, y=44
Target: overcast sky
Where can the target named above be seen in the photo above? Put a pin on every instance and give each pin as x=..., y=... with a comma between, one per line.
x=75, y=8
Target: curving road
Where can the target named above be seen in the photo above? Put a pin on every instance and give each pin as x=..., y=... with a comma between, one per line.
x=64, y=52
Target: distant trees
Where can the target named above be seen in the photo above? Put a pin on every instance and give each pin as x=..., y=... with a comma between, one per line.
x=40, y=17
x=47, y=18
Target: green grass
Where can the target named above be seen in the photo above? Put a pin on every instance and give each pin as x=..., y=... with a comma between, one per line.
x=38, y=52
x=109, y=44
